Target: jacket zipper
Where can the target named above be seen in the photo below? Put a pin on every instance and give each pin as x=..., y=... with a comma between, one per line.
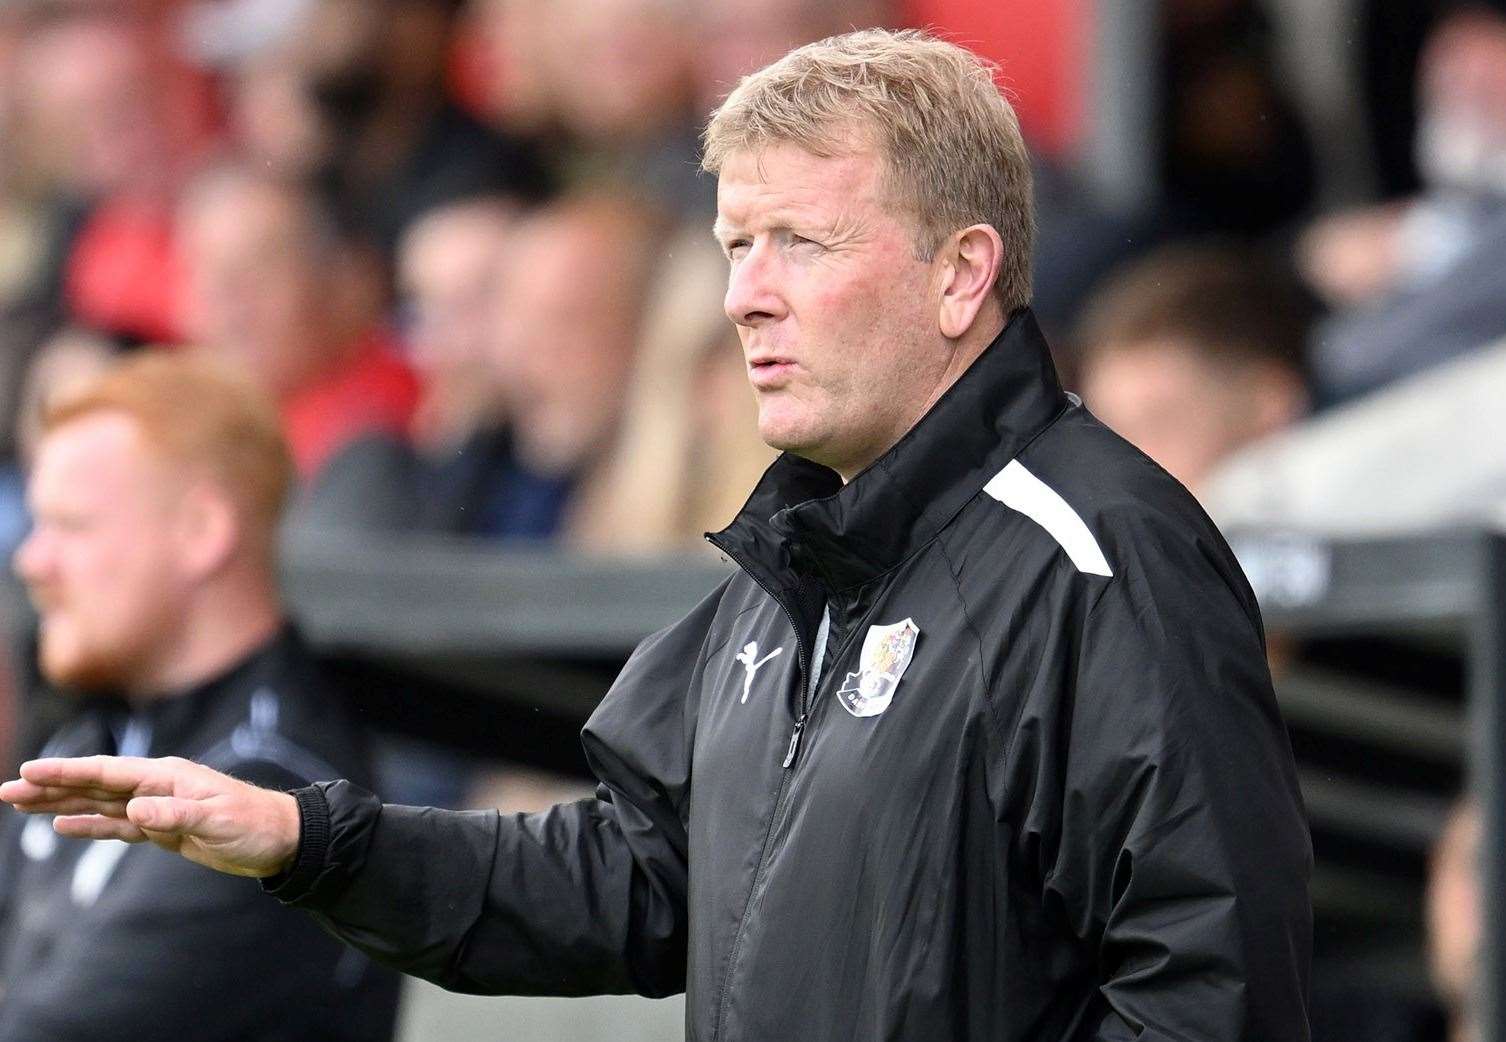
x=801, y=652
x=803, y=661
x=789, y=756
x=808, y=686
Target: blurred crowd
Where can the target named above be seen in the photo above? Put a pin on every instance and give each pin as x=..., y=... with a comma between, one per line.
x=464, y=246
x=472, y=267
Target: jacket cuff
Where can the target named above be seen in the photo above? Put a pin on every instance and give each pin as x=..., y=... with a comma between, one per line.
x=313, y=848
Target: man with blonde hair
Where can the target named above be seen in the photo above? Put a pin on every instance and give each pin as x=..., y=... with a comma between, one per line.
x=156, y=493
x=978, y=743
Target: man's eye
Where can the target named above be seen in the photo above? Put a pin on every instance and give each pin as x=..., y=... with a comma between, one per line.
x=737, y=247
x=801, y=240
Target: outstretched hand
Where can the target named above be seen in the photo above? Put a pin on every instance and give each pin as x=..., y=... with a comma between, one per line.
x=185, y=807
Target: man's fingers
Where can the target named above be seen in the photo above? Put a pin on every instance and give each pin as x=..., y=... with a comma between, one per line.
x=92, y=826
x=165, y=814
x=71, y=804
x=113, y=774
x=34, y=798
x=20, y=791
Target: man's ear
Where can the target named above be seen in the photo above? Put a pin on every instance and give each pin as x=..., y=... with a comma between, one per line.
x=209, y=530
x=968, y=262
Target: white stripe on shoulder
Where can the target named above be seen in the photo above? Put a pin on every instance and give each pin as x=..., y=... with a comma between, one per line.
x=1017, y=488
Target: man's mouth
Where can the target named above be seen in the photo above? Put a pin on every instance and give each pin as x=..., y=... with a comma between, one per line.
x=769, y=372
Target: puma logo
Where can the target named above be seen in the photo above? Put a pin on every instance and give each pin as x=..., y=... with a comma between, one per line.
x=751, y=663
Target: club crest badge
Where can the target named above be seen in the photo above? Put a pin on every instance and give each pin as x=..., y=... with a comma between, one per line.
x=886, y=655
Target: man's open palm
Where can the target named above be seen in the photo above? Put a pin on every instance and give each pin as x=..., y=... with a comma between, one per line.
x=206, y=816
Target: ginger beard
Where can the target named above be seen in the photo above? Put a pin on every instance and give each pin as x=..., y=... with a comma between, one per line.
x=72, y=653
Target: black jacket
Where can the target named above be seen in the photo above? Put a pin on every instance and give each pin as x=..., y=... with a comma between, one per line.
x=1074, y=817
x=111, y=941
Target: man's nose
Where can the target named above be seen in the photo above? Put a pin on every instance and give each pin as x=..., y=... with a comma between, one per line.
x=753, y=292
x=30, y=557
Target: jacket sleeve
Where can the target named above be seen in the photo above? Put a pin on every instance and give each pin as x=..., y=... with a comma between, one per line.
x=1183, y=852
x=584, y=898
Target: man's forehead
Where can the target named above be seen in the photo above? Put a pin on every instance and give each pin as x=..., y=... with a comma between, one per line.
x=101, y=428
x=785, y=179
x=108, y=445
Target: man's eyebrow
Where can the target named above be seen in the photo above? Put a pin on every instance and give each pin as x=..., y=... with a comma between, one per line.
x=783, y=220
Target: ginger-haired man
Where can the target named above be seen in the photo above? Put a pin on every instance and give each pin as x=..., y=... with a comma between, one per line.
x=156, y=493
x=1016, y=771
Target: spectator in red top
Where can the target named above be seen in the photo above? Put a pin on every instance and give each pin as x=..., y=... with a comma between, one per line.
x=108, y=123
x=275, y=288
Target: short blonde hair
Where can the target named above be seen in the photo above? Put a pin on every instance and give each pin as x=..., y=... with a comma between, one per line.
x=200, y=417
x=949, y=139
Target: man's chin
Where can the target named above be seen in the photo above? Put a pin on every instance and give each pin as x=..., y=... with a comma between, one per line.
x=76, y=671
x=786, y=437
x=805, y=447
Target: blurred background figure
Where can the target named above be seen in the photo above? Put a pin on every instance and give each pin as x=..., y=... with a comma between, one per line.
x=278, y=291
x=1192, y=353
x=109, y=125
x=455, y=474
x=525, y=328
x=467, y=477
x=512, y=70
x=1412, y=350
x=152, y=566
x=449, y=268
x=354, y=94
x=626, y=112
x=448, y=469
x=568, y=319
x=1419, y=281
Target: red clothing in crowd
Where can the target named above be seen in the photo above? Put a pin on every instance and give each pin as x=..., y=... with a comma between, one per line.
x=123, y=274
x=374, y=392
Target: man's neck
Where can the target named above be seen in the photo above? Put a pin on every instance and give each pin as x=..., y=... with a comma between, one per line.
x=208, y=646
x=970, y=347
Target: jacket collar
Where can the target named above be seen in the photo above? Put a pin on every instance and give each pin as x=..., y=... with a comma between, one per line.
x=173, y=719
x=802, y=519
